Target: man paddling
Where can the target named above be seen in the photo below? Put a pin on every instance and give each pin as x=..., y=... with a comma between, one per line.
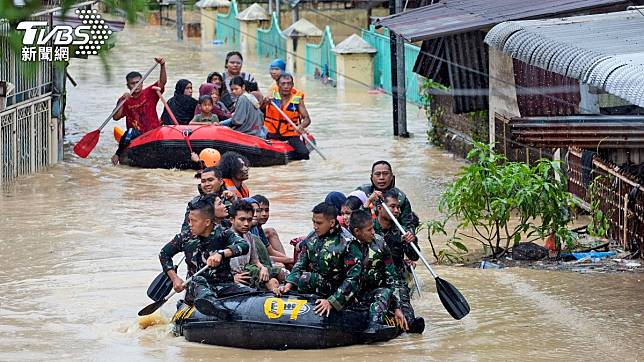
x=211, y=184
x=329, y=265
x=382, y=180
x=380, y=282
x=210, y=245
x=140, y=108
x=401, y=249
x=291, y=102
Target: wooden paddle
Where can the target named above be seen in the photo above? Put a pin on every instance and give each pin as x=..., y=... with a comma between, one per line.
x=303, y=133
x=86, y=145
x=451, y=298
x=167, y=108
x=156, y=305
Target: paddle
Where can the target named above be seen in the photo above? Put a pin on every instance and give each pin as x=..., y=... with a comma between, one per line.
x=303, y=133
x=86, y=145
x=451, y=298
x=161, y=285
x=156, y=305
x=413, y=274
x=167, y=108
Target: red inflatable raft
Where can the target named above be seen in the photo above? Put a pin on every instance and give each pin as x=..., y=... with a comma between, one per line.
x=165, y=147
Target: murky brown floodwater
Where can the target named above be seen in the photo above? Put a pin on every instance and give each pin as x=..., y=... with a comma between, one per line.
x=79, y=242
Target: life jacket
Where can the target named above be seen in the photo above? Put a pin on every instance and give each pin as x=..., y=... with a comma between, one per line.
x=278, y=125
x=244, y=192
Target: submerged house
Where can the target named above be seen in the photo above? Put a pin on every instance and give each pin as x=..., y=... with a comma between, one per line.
x=573, y=88
x=454, y=55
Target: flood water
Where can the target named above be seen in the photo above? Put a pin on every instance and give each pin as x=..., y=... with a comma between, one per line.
x=79, y=242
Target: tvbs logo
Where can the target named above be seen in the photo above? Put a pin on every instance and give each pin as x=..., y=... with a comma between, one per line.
x=41, y=44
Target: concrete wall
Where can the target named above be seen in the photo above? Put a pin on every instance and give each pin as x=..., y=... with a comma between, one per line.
x=359, y=66
x=456, y=132
x=503, y=95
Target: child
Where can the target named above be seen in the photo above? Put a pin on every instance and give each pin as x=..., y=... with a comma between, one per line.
x=219, y=107
x=205, y=116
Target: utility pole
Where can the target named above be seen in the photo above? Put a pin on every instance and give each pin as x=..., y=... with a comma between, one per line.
x=179, y=5
x=398, y=89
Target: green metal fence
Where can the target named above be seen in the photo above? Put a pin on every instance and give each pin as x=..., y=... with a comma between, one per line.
x=270, y=42
x=382, y=64
x=227, y=28
x=320, y=60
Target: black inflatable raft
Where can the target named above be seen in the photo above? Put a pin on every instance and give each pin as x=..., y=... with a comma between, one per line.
x=260, y=320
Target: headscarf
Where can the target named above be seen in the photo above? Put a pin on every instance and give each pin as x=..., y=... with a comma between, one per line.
x=336, y=199
x=182, y=106
x=206, y=89
x=359, y=194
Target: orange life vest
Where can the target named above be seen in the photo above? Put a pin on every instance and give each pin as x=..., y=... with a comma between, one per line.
x=244, y=192
x=278, y=125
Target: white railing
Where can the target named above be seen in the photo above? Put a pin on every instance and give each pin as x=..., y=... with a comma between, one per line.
x=28, y=139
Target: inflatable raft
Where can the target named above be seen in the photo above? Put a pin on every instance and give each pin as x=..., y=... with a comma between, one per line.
x=166, y=147
x=260, y=320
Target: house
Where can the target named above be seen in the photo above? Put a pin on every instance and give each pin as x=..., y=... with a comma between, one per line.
x=453, y=54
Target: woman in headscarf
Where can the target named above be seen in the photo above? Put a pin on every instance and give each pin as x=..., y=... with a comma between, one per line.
x=182, y=104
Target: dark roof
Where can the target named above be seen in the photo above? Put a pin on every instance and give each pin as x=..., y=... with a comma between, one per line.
x=457, y=16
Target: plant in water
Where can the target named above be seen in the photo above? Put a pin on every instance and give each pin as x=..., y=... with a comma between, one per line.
x=599, y=225
x=500, y=200
x=455, y=249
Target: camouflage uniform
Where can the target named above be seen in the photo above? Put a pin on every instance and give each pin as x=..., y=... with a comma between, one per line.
x=407, y=218
x=399, y=249
x=329, y=266
x=380, y=283
x=200, y=249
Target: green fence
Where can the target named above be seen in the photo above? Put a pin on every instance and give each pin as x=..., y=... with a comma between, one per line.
x=227, y=28
x=382, y=64
x=270, y=42
x=319, y=57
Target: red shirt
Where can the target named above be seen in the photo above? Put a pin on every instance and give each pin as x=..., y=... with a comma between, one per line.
x=141, y=112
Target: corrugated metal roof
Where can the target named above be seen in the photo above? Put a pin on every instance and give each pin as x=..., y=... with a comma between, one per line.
x=456, y=16
x=606, y=50
x=580, y=131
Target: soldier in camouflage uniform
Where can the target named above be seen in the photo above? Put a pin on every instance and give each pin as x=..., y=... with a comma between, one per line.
x=380, y=283
x=329, y=265
x=400, y=247
x=383, y=180
x=209, y=244
x=211, y=185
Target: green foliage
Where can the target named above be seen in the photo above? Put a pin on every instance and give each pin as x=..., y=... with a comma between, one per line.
x=455, y=248
x=501, y=200
x=433, y=111
x=599, y=224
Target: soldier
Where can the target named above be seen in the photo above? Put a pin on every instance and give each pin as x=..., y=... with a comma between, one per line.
x=329, y=265
x=383, y=180
x=211, y=185
x=380, y=282
x=210, y=244
x=400, y=247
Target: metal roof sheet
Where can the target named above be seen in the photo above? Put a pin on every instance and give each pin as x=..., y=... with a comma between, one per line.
x=456, y=16
x=605, y=50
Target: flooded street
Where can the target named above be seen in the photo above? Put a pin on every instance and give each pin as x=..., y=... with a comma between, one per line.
x=79, y=242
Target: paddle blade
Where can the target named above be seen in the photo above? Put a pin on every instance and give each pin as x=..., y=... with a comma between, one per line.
x=452, y=299
x=152, y=308
x=160, y=287
x=87, y=143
